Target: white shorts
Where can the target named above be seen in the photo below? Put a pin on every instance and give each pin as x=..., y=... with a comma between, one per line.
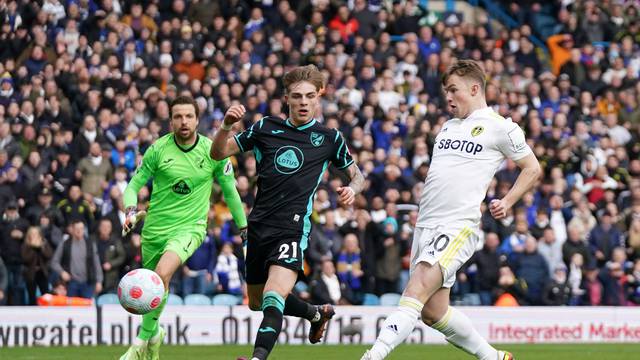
x=450, y=247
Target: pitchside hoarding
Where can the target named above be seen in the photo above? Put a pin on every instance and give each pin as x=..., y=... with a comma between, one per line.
x=209, y=325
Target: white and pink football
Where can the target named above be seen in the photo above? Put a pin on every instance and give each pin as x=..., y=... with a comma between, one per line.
x=140, y=291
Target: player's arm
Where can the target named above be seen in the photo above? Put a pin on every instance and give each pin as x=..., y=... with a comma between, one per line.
x=227, y=180
x=144, y=172
x=342, y=160
x=348, y=193
x=529, y=174
x=224, y=146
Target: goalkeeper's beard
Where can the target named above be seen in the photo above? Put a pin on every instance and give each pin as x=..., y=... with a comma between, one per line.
x=185, y=139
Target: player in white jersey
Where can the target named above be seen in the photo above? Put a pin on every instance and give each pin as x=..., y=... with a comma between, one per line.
x=467, y=153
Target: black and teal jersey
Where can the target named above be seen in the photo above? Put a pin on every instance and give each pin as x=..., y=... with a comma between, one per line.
x=290, y=163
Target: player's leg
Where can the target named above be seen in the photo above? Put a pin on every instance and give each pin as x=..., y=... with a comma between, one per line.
x=425, y=280
x=279, y=284
x=294, y=306
x=456, y=327
x=254, y=292
x=152, y=252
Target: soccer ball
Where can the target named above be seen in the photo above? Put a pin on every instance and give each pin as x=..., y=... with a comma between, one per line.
x=140, y=291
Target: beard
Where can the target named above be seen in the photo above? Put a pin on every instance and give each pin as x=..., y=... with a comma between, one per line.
x=184, y=136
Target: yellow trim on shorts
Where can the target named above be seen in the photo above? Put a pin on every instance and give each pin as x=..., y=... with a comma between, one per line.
x=447, y=252
x=455, y=246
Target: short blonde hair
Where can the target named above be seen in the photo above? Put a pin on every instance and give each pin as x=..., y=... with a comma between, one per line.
x=308, y=73
x=466, y=69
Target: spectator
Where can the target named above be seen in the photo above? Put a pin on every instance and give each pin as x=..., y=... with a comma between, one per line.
x=13, y=229
x=604, y=238
x=349, y=267
x=633, y=284
x=133, y=251
x=531, y=267
x=551, y=250
x=388, y=263
x=488, y=264
x=326, y=288
x=36, y=255
x=199, y=275
x=227, y=269
x=62, y=173
x=583, y=220
x=592, y=286
x=15, y=187
x=541, y=223
x=633, y=239
x=74, y=208
x=509, y=284
x=514, y=245
x=44, y=206
x=77, y=263
x=110, y=253
x=613, y=279
x=344, y=24
x=95, y=171
x=32, y=174
x=121, y=156
x=575, y=245
x=4, y=275
x=575, y=279
x=50, y=231
x=557, y=292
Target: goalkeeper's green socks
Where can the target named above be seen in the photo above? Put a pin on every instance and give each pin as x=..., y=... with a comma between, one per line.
x=151, y=320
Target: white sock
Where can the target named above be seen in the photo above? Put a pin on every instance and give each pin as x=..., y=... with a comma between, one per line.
x=139, y=342
x=459, y=331
x=397, y=327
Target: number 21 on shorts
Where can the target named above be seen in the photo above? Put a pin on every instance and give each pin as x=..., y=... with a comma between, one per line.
x=284, y=251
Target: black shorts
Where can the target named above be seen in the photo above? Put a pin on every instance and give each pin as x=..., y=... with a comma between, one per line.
x=266, y=246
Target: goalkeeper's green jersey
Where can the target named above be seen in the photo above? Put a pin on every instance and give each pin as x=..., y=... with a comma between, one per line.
x=182, y=181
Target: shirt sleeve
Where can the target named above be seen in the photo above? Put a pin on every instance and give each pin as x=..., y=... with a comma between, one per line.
x=512, y=143
x=145, y=171
x=246, y=140
x=223, y=171
x=341, y=157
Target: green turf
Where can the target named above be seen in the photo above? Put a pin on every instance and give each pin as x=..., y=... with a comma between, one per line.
x=319, y=352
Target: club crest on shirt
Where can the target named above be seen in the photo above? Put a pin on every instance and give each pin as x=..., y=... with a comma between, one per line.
x=477, y=131
x=316, y=139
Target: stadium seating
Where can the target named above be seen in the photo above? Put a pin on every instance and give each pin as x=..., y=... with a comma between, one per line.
x=107, y=299
x=174, y=299
x=389, y=299
x=225, y=299
x=197, y=299
x=471, y=299
x=371, y=299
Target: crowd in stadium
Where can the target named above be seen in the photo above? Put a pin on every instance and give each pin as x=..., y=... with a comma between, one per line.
x=85, y=87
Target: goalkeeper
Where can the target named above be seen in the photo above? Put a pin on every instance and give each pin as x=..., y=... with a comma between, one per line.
x=175, y=226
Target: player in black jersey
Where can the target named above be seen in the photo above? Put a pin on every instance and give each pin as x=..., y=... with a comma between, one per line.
x=291, y=155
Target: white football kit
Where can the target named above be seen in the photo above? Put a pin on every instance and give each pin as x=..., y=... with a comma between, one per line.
x=466, y=156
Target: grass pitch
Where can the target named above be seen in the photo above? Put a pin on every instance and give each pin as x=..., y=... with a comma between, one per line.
x=328, y=352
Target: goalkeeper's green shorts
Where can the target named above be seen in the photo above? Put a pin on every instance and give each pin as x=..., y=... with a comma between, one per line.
x=184, y=242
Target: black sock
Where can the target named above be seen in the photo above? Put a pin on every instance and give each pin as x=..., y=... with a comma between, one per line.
x=294, y=306
x=268, y=332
